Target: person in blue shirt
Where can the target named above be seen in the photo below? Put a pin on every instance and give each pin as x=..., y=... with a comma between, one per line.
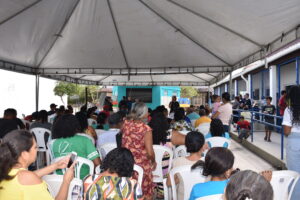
x=218, y=164
x=217, y=130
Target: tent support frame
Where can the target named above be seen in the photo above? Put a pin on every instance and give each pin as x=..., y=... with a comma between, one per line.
x=183, y=32
x=19, y=12
x=118, y=35
x=216, y=23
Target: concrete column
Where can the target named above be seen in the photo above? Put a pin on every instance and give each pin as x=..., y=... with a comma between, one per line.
x=273, y=83
x=249, y=86
x=235, y=88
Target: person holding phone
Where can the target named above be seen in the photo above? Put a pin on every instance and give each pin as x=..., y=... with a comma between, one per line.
x=18, y=150
x=64, y=132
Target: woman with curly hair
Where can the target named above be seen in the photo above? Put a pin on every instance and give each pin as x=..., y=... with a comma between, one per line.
x=115, y=180
x=291, y=127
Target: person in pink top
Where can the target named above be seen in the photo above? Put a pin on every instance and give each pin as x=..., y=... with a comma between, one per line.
x=282, y=102
x=216, y=104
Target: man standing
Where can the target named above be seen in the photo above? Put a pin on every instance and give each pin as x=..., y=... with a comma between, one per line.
x=52, y=109
x=269, y=109
x=282, y=102
x=173, y=105
x=247, y=103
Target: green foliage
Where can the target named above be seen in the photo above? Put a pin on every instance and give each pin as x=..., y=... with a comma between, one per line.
x=188, y=92
x=63, y=88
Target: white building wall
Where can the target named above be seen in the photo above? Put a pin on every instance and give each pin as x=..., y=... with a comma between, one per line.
x=18, y=91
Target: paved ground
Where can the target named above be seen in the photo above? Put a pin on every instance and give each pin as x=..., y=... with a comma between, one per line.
x=273, y=147
x=245, y=159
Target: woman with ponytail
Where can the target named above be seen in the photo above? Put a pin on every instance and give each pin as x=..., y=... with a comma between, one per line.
x=18, y=150
x=291, y=128
x=248, y=185
x=218, y=164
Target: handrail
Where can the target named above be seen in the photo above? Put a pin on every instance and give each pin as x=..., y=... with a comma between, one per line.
x=255, y=113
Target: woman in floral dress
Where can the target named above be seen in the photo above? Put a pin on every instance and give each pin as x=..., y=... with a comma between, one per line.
x=137, y=137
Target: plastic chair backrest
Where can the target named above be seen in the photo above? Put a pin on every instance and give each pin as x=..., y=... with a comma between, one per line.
x=50, y=154
x=283, y=183
x=105, y=149
x=159, y=154
x=140, y=172
x=42, y=136
x=189, y=178
x=80, y=162
x=54, y=182
x=180, y=151
x=218, y=142
x=88, y=136
x=212, y=197
x=203, y=128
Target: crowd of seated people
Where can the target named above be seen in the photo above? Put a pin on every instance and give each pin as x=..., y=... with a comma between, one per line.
x=134, y=133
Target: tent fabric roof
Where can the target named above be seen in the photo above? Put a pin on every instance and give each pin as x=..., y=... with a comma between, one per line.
x=142, y=42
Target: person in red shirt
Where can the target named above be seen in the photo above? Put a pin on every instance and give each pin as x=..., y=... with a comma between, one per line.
x=282, y=102
x=244, y=128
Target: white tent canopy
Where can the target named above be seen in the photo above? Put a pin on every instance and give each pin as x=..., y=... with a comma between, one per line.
x=142, y=42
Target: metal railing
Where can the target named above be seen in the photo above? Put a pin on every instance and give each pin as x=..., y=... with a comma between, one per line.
x=262, y=115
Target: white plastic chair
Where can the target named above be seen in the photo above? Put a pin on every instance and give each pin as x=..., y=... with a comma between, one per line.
x=283, y=183
x=80, y=162
x=42, y=136
x=189, y=178
x=88, y=136
x=180, y=151
x=105, y=149
x=203, y=128
x=54, y=182
x=212, y=197
x=159, y=154
x=140, y=172
x=50, y=153
x=218, y=142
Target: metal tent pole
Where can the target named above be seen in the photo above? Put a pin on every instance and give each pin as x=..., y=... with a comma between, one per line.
x=230, y=84
x=86, y=96
x=37, y=91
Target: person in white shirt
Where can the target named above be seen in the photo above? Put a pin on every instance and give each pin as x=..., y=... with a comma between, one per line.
x=224, y=112
x=291, y=128
x=115, y=123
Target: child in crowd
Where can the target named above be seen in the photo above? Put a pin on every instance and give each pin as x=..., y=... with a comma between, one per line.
x=269, y=109
x=219, y=165
x=244, y=128
x=217, y=103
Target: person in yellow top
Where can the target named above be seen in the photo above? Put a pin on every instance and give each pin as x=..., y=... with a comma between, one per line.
x=18, y=150
x=203, y=117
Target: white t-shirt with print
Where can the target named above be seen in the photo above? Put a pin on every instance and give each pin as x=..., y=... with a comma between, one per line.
x=287, y=121
x=225, y=111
